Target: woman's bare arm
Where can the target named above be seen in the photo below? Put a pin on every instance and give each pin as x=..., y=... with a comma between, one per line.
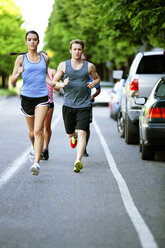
x=18, y=69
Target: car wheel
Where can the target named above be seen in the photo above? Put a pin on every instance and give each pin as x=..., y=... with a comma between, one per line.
x=130, y=136
x=115, y=116
x=120, y=124
x=147, y=152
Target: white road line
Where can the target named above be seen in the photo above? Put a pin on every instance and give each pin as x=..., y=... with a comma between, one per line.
x=14, y=167
x=146, y=238
x=5, y=177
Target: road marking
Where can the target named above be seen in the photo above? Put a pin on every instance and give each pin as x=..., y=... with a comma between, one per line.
x=16, y=164
x=146, y=238
x=14, y=167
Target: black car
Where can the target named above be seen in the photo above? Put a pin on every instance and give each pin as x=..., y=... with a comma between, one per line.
x=152, y=121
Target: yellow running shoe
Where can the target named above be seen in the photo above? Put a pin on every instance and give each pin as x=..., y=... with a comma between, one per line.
x=78, y=166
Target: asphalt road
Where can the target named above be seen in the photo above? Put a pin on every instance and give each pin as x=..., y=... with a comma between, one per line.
x=117, y=201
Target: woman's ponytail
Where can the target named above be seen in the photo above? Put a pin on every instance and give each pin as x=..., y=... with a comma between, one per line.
x=12, y=53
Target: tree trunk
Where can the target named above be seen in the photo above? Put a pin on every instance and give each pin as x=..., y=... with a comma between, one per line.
x=4, y=83
x=102, y=71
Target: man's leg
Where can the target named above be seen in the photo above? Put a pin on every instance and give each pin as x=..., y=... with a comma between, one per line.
x=80, y=150
x=85, y=154
x=81, y=144
x=88, y=133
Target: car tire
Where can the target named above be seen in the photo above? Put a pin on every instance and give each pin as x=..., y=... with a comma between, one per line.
x=130, y=136
x=148, y=152
x=120, y=124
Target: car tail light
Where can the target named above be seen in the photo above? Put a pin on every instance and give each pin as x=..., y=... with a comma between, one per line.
x=134, y=86
x=156, y=113
x=163, y=112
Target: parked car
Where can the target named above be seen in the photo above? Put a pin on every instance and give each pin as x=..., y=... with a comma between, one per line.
x=146, y=69
x=152, y=121
x=115, y=98
x=103, y=97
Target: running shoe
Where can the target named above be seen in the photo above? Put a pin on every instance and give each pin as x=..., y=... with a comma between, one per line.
x=32, y=156
x=45, y=154
x=78, y=166
x=85, y=154
x=73, y=142
x=35, y=168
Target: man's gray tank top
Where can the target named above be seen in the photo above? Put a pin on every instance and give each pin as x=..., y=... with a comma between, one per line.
x=76, y=93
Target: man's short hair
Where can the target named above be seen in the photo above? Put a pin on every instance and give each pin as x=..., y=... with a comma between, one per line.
x=77, y=41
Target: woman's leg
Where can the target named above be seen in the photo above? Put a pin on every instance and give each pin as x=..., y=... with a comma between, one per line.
x=47, y=128
x=30, y=122
x=40, y=115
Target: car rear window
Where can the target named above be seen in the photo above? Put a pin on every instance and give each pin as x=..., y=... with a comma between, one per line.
x=160, y=91
x=153, y=64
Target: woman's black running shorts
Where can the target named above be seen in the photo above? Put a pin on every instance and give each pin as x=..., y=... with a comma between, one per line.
x=28, y=104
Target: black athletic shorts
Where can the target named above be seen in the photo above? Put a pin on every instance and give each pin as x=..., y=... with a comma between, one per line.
x=91, y=115
x=51, y=105
x=76, y=118
x=28, y=104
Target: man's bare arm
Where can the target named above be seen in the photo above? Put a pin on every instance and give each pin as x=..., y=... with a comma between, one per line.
x=96, y=79
x=58, y=76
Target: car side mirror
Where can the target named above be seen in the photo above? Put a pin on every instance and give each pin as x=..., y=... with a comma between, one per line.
x=140, y=100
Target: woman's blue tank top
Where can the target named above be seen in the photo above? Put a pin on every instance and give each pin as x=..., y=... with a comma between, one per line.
x=34, y=78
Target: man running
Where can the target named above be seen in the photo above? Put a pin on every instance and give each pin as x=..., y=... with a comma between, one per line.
x=76, y=104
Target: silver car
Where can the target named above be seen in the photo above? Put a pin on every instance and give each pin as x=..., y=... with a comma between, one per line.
x=145, y=71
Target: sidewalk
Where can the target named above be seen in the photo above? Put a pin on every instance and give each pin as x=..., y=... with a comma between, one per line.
x=3, y=99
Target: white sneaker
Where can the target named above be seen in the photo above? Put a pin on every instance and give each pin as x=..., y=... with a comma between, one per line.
x=32, y=156
x=35, y=168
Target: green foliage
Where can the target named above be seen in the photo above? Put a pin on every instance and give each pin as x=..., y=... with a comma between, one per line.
x=12, y=35
x=9, y=92
x=113, y=30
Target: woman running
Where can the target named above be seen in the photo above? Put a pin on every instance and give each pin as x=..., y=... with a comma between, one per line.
x=34, y=93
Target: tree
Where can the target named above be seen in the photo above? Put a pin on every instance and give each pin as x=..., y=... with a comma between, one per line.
x=113, y=30
x=12, y=37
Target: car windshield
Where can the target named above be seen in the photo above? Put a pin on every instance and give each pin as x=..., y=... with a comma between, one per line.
x=153, y=64
x=160, y=90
